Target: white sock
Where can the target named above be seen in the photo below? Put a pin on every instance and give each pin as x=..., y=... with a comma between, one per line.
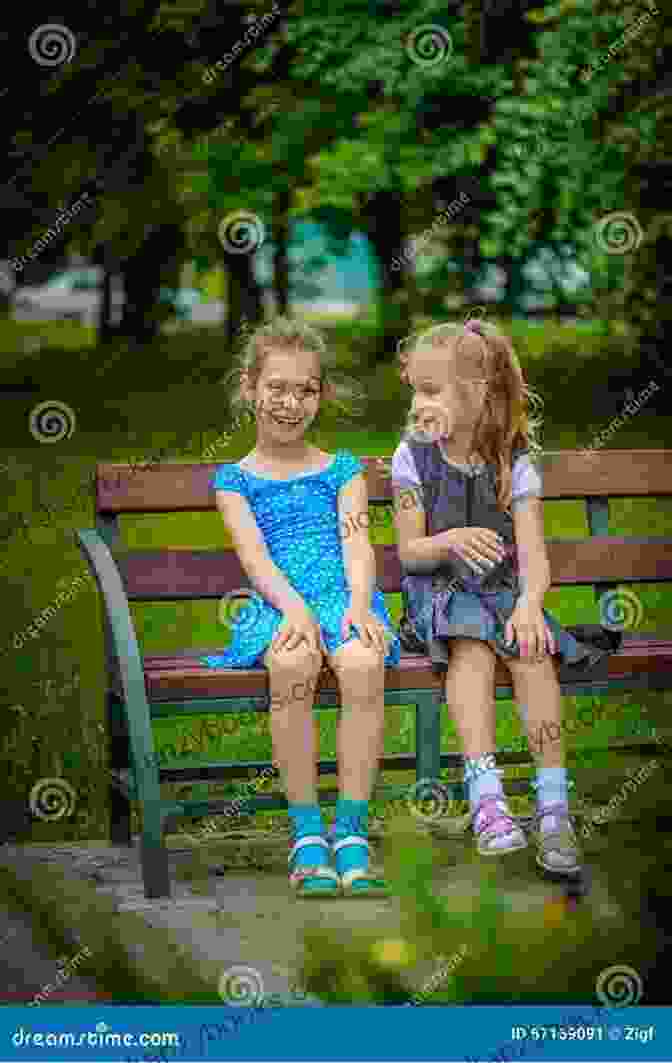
x=551, y=787
x=482, y=777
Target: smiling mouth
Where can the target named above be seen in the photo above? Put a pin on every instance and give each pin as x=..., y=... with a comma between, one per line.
x=285, y=420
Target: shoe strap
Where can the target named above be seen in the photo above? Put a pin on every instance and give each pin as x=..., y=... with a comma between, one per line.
x=352, y=839
x=559, y=810
x=308, y=839
x=491, y=815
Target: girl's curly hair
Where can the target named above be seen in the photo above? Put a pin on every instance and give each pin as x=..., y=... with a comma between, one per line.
x=340, y=394
x=505, y=423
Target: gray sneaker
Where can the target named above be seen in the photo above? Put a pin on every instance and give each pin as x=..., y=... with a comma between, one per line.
x=557, y=844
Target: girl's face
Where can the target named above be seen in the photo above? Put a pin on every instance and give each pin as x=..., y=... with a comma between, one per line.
x=443, y=402
x=287, y=397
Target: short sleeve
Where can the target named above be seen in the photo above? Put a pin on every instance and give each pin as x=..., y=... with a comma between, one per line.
x=404, y=471
x=346, y=466
x=526, y=481
x=229, y=478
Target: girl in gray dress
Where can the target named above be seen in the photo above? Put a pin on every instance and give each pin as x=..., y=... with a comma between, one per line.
x=470, y=531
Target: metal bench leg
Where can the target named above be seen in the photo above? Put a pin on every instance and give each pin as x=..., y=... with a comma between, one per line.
x=153, y=853
x=120, y=806
x=428, y=735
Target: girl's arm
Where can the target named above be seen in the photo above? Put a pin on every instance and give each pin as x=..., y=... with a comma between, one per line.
x=418, y=552
x=359, y=561
x=358, y=555
x=262, y=572
x=535, y=569
x=526, y=623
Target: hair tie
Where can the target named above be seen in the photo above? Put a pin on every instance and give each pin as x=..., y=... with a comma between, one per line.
x=474, y=324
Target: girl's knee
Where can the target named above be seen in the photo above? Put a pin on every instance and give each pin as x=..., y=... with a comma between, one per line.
x=470, y=647
x=300, y=662
x=357, y=661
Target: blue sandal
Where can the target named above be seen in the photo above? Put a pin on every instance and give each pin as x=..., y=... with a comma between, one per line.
x=314, y=881
x=359, y=881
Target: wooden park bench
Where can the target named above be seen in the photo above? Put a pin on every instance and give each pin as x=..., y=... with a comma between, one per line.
x=145, y=688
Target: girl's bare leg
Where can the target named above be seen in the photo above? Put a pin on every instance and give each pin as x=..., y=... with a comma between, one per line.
x=470, y=695
x=538, y=694
x=293, y=680
x=361, y=676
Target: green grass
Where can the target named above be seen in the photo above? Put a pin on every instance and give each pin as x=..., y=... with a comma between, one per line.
x=58, y=735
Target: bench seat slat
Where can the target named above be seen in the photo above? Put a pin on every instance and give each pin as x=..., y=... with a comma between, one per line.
x=184, y=487
x=184, y=676
x=154, y=575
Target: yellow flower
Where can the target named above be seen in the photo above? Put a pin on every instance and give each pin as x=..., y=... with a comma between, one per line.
x=392, y=952
x=554, y=912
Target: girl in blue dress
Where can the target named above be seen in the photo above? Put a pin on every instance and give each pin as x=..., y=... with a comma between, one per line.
x=471, y=542
x=294, y=512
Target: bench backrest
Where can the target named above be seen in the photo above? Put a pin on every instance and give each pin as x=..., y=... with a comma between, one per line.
x=593, y=476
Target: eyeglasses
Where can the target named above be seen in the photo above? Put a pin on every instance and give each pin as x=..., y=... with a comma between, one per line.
x=278, y=391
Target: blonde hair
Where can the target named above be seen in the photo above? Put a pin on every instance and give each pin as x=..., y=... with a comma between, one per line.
x=505, y=423
x=340, y=394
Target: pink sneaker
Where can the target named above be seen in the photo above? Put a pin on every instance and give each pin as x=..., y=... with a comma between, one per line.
x=495, y=828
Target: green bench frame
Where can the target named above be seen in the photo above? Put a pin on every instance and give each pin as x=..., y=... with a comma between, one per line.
x=139, y=690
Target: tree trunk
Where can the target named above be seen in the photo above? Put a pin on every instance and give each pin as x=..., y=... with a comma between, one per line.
x=244, y=296
x=144, y=274
x=281, y=204
x=106, y=329
x=383, y=226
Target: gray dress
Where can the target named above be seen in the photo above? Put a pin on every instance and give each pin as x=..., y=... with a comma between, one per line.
x=455, y=602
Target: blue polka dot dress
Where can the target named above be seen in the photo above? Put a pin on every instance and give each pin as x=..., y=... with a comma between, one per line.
x=299, y=521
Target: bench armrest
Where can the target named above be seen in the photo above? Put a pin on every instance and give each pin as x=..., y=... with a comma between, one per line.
x=127, y=653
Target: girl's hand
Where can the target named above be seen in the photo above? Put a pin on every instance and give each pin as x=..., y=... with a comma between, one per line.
x=298, y=624
x=481, y=548
x=527, y=625
x=369, y=628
